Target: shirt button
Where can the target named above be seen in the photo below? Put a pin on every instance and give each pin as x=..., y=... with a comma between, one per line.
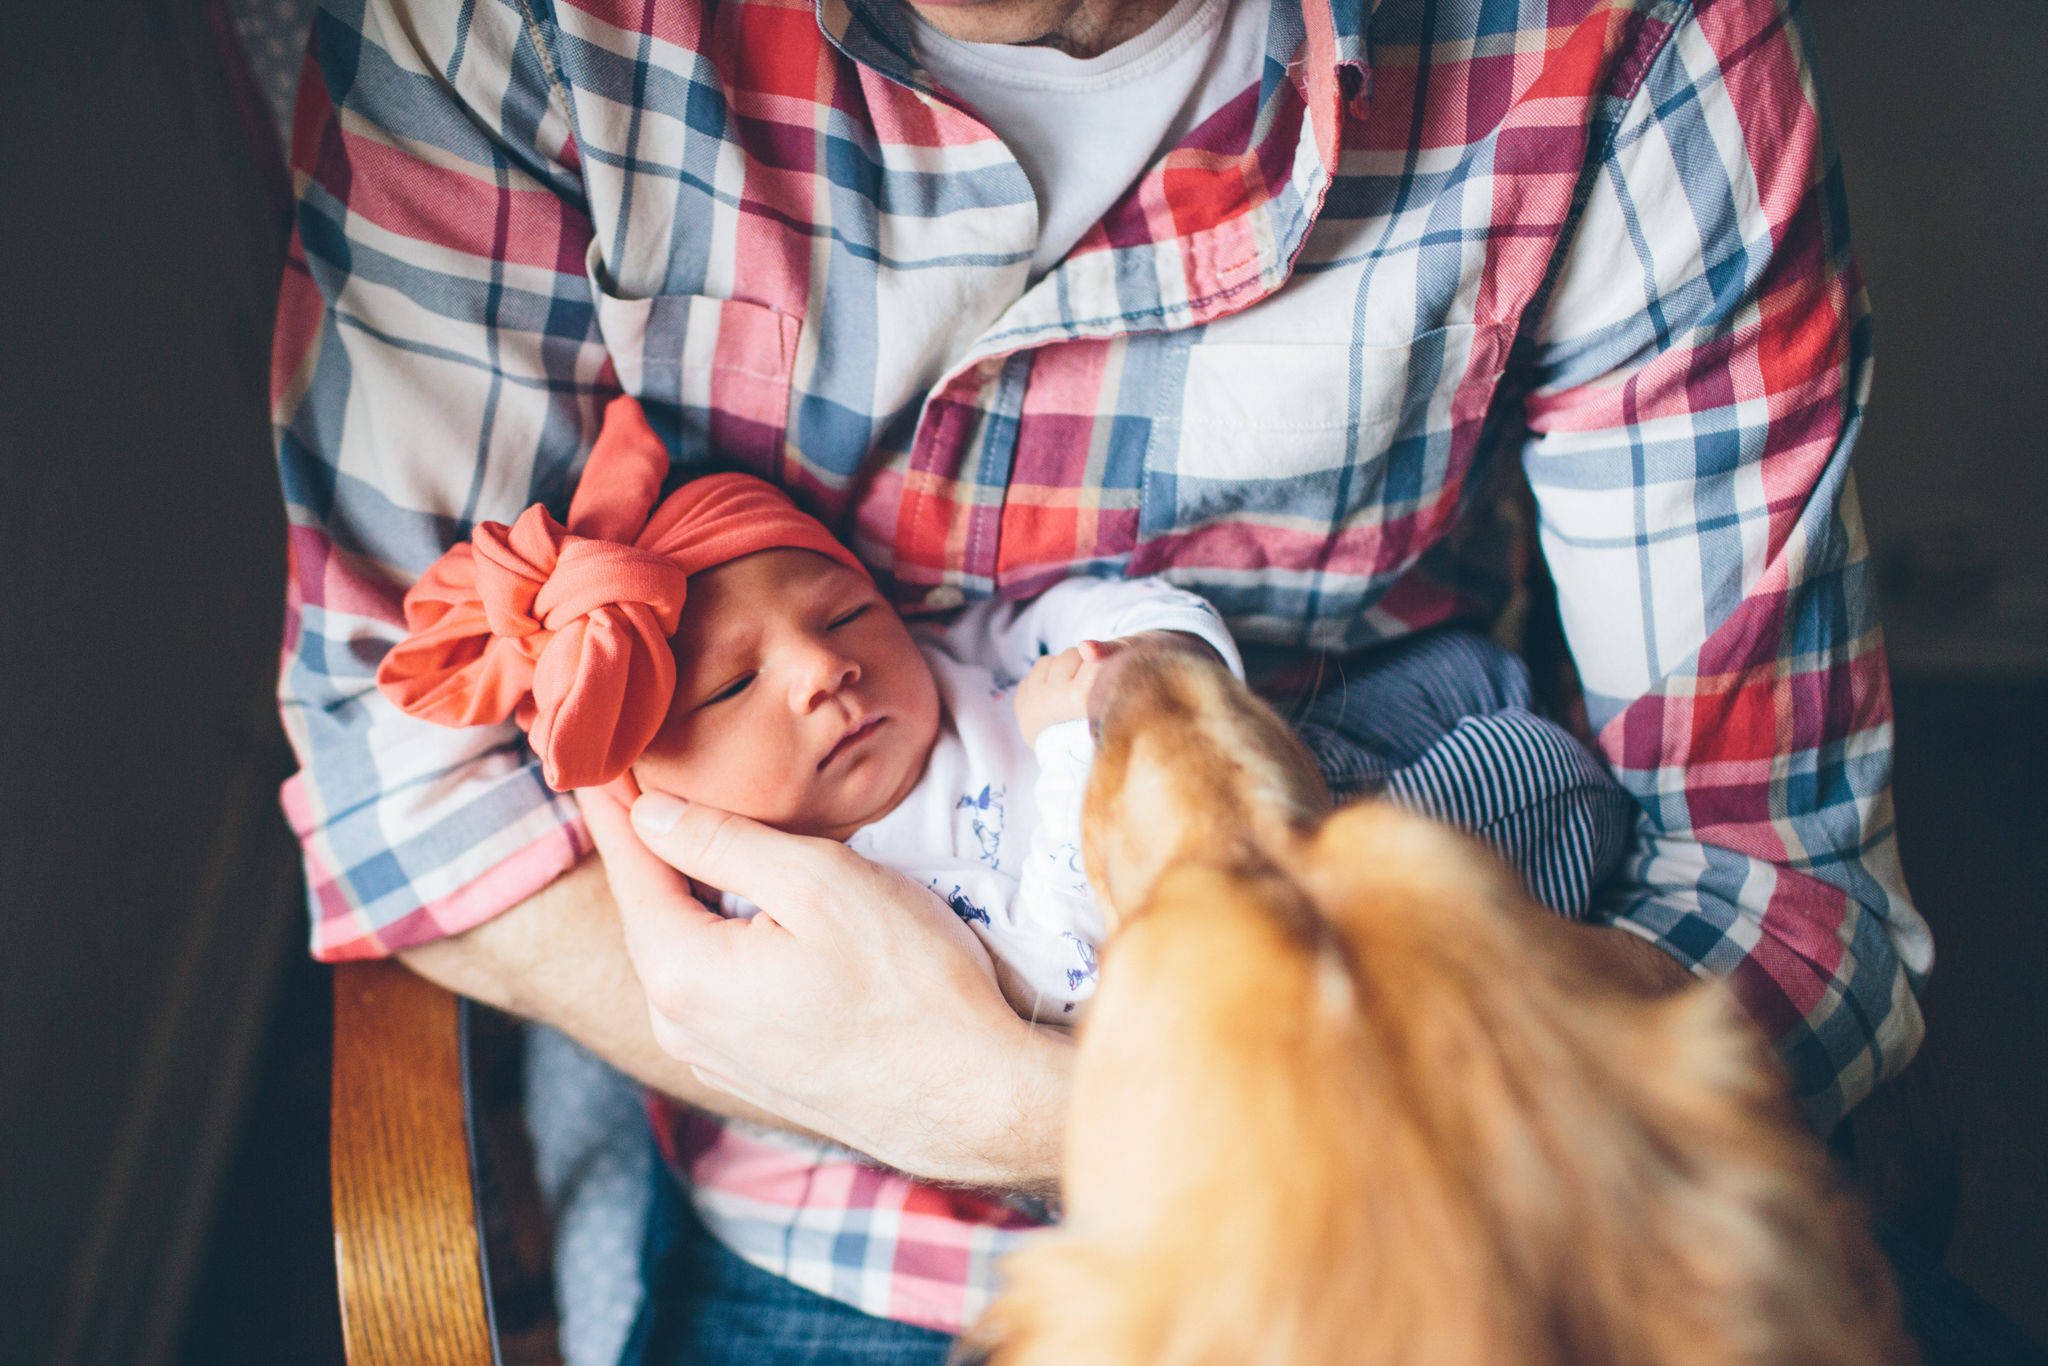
x=943, y=597
x=990, y=368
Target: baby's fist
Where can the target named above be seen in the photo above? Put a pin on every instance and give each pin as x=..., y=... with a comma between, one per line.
x=1057, y=687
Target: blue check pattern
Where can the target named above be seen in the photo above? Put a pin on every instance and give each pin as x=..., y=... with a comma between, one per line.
x=1596, y=242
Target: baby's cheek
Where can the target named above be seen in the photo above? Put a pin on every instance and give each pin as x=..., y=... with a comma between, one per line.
x=656, y=774
x=691, y=775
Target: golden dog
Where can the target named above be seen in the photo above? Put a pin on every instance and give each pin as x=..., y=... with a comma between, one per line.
x=1346, y=1095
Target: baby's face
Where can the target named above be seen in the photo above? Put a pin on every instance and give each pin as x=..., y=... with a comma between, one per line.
x=801, y=700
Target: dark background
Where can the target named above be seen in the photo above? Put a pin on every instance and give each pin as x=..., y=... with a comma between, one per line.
x=162, y=1037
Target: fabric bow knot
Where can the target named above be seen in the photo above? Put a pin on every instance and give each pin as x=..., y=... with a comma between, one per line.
x=537, y=576
x=565, y=630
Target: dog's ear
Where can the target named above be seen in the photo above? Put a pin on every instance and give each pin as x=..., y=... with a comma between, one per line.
x=1372, y=851
x=1222, y=1111
x=1190, y=766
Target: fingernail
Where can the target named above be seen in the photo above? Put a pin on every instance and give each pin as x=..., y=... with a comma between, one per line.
x=656, y=813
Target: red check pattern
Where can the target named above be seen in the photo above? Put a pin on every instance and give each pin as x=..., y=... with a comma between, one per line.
x=1602, y=238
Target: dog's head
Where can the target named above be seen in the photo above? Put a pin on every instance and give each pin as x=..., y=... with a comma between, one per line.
x=1190, y=767
x=1345, y=1096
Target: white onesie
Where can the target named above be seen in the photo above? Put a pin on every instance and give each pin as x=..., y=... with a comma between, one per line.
x=994, y=825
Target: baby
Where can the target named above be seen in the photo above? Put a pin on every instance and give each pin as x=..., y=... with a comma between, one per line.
x=957, y=755
x=727, y=650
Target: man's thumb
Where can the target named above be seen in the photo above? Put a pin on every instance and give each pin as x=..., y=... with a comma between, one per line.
x=732, y=853
x=655, y=814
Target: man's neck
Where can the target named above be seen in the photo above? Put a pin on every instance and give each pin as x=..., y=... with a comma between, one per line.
x=1079, y=28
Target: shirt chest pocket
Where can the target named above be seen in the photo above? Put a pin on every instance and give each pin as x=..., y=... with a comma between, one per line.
x=719, y=369
x=1272, y=452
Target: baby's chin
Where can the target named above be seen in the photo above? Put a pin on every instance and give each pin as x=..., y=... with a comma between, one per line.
x=871, y=791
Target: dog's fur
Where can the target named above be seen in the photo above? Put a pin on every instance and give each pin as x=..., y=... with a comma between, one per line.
x=1347, y=1095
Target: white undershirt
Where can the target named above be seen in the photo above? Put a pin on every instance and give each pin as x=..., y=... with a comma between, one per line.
x=1084, y=130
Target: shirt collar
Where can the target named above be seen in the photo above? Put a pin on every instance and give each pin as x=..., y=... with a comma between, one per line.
x=1222, y=266
x=878, y=34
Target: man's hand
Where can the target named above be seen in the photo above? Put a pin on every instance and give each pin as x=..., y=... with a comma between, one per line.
x=558, y=957
x=1628, y=960
x=856, y=1004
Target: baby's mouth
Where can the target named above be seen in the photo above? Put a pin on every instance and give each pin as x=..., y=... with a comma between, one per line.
x=852, y=737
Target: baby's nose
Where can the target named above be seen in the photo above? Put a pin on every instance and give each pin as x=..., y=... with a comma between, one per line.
x=825, y=671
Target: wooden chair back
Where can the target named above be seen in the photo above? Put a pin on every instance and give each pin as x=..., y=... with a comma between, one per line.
x=408, y=1249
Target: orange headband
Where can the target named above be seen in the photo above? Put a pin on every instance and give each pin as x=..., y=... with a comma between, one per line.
x=566, y=630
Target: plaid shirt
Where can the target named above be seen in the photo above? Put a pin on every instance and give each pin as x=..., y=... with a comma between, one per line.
x=1602, y=238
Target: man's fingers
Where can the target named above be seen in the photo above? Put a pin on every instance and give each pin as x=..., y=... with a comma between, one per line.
x=638, y=877
x=680, y=948
x=784, y=873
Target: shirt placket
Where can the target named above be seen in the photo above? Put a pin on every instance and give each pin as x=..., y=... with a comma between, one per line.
x=949, y=525
x=956, y=474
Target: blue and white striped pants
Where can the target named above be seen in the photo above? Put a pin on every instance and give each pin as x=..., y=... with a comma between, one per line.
x=1441, y=723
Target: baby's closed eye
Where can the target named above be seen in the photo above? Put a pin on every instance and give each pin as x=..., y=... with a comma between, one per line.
x=729, y=691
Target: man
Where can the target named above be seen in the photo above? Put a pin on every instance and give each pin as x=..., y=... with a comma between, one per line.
x=1272, y=327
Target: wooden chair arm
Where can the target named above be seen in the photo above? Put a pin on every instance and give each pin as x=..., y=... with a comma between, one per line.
x=406, y=1245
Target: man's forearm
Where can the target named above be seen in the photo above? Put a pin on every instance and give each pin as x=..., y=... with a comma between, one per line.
x=558, y=958
x=1015, y=1142
x=1611, y=956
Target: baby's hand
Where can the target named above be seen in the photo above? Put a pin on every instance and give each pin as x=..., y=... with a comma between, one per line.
x=1056, y=689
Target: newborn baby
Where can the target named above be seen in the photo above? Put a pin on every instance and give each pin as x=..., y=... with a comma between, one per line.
x=728, y=651
x=957, y=755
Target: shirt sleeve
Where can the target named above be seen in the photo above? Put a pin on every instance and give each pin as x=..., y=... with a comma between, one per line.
x=1702, y=370
x=437, y=364
x=1006, y=638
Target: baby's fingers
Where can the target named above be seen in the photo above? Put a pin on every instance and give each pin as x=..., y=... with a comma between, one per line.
x=1083, y=681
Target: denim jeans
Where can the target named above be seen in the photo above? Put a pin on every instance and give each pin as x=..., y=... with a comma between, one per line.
x=707, y=1307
